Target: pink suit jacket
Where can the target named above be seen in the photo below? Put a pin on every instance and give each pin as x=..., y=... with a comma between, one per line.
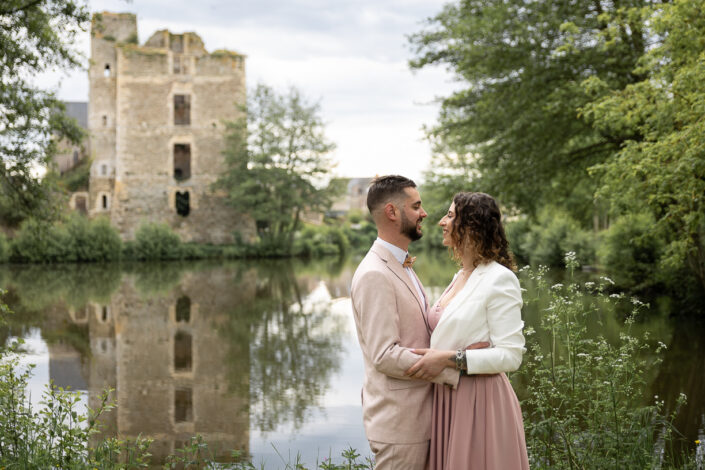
x=391, y=319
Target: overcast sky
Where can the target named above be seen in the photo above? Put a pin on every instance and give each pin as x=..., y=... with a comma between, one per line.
x=351, y=56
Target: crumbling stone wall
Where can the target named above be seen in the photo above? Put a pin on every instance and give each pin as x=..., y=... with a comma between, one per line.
x=135, y=128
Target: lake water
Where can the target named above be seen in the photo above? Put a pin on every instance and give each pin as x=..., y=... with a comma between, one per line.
x=257, y=356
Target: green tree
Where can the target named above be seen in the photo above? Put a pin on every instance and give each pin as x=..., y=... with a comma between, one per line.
x=662, y=168
x=277, y=158
x=36, y=36
x=522, y=64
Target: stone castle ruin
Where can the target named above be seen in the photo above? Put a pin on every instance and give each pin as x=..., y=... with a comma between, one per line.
x=155, y=120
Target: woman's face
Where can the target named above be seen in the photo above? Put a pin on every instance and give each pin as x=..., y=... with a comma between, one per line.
x=446, y=224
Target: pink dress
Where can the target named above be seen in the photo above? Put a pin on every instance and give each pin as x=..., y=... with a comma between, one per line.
x=477, y=426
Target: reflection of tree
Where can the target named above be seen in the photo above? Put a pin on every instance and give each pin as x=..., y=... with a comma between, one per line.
x=294, y=347
x=156, y=278
x=75, y=285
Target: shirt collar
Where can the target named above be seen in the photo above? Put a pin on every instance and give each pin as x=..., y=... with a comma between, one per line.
x=397, y=252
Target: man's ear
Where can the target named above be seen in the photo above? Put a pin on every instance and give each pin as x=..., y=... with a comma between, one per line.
x=390, y=211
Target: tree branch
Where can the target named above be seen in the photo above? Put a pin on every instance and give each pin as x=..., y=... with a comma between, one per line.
x=24, y=7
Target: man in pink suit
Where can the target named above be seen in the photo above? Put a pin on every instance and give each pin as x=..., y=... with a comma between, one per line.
x=390, y=308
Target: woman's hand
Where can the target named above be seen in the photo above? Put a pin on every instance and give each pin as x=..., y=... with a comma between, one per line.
x=431, y=364
x=433, y=361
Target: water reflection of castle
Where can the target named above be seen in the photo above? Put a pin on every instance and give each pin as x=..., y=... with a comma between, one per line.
x=164, y=358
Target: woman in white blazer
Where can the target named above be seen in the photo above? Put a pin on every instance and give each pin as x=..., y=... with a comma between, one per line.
x=477, y=425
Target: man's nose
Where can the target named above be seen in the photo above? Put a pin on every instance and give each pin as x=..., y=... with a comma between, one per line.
x=423, y=213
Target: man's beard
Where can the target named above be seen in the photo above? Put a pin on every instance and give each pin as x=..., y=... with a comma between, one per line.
x=409, y=229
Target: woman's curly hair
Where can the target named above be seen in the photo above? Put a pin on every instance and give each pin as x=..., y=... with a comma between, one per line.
x=478, y=220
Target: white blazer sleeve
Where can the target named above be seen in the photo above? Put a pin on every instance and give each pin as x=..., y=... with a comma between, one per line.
x=505, y=325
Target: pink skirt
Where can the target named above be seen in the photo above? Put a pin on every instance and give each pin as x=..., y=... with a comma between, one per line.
x=478, y=426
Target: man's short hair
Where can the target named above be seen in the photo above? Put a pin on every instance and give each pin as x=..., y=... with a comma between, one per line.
x=385, y=188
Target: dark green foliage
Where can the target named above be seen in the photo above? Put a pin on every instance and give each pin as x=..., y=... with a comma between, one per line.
x=156, y=241
x=517, y=120
x=35, y=37
x=76, y=240
x=76, y=178
x=315, y=241
x=4, y=248
x=662, y=169
x=40, y=242
x=276, y=157
x=361, y=234
x=630, y=250
x=93, y=240
x=546, y=242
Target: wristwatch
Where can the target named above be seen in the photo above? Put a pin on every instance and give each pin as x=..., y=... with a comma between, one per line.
x=460, y=360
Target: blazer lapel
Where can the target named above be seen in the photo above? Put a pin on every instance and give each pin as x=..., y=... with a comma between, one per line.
x=399, y=272
x=470, y=285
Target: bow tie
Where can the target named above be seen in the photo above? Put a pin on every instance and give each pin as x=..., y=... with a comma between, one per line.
x=409, y=262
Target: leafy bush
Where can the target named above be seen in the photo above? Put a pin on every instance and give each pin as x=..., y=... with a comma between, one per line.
x=554, y=233
x=156, y=241
x=93, y=240
x=361, y=234
x=583, y=407
x=630, y=251
x=517, y=231
x=40, y=242
x=77, y=239
x=321, y=240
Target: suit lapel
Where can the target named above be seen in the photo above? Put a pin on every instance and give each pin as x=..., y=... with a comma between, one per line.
x=399, y=272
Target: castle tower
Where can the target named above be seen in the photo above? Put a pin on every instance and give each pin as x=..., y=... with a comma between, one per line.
x=156, y=118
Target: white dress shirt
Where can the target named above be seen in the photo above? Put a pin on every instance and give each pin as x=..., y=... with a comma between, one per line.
x=400, y=255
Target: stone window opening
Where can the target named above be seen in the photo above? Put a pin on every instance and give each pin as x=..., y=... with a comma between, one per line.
x=106, y=71
x=182, y=203
x=103, y=169
x=105, y=120
x=182, y=110
x=182, y=162
x=75, y=157
x=183, y=405
x=104, y=202
x=182, y=351
x=81, y=205
x=183, y=309
x=104, y=314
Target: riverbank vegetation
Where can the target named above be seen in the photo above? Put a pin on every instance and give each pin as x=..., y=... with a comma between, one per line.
x=585, y=121
x=77, y=239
